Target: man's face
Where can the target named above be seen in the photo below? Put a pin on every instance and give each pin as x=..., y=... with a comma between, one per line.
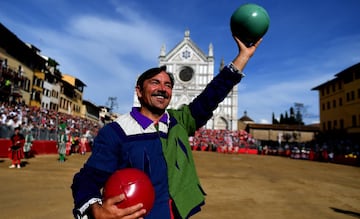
x=155, y=94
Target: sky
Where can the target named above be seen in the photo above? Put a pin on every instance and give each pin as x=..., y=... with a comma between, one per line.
x=108, y=43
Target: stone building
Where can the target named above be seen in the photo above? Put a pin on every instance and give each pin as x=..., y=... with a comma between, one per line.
x=278, y=132
x=339, y=103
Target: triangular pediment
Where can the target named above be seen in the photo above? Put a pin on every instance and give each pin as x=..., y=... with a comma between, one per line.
x=177, y=57
x=186, y=50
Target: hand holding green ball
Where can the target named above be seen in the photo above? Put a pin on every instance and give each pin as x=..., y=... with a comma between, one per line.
x=249, y=23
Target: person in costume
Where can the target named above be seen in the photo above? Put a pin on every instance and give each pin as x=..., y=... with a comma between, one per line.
x=29, y=138
x=82, y=145
x=61, y=144
x=17, y=148
x=155, y=140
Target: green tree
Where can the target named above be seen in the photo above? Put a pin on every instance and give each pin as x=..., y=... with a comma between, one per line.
x=274, y=120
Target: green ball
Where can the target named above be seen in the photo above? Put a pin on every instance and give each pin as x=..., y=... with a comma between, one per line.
x=249, y=23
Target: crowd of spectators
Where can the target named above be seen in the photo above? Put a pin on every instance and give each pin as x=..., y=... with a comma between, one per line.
x=226, y=141
x=43, y=124
x=221, y=140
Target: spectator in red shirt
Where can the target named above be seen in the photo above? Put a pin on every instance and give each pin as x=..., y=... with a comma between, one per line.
x=16, y=150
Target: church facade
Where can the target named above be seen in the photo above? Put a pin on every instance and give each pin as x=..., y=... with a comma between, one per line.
x=193, y=70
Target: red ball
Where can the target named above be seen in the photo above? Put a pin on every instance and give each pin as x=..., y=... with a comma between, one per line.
x=134, y=184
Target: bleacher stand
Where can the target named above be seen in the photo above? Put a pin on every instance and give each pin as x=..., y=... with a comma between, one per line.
x=223, y=141
x=42, y=125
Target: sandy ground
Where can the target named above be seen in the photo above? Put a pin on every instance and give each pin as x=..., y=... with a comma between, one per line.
x=237, y=186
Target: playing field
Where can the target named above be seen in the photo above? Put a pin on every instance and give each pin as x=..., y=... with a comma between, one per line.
x=237, y=186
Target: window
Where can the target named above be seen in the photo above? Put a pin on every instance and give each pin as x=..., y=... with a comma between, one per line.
x=341, y=124
x=329, y=125
x=353, y=118
x=186, y=74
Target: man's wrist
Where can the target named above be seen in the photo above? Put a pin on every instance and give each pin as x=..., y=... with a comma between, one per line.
x=94, y=208
x=234, y=69
x=83, y=209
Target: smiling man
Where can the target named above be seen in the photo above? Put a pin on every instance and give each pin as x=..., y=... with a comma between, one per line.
x=155, y=140
x=154, y=91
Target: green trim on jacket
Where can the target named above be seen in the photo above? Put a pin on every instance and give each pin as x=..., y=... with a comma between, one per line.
x=184, y=184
